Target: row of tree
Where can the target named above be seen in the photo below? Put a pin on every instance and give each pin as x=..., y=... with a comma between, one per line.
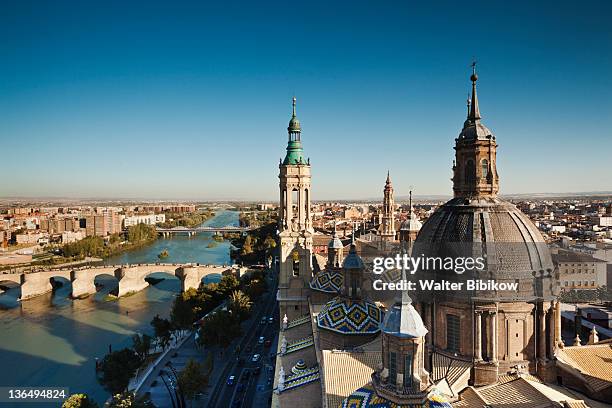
x=96, y=246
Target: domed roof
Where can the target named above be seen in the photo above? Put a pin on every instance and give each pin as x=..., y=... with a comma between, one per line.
x=327, y=281
x=513, y=247
x=366, y=397
x=473, y=131
x=411, y=223
x=352, y=260
x=403, y=320
x=294, y=124
x=347, y=316
x=335, y=243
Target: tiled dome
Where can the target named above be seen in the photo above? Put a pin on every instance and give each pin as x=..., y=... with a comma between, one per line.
x=348, y=316
x=366, y=397
x=327, y=281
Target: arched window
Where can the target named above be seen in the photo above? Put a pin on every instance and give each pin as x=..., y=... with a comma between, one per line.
x=470, y=172
x=296, y=262
x=484, y=164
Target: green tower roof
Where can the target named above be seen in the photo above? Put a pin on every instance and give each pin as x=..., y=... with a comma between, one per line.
x=295, y=152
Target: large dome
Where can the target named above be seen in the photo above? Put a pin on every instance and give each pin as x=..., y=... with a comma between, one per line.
x=512, y=246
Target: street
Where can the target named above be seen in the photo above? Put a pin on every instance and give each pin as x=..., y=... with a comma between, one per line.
x=253, y=380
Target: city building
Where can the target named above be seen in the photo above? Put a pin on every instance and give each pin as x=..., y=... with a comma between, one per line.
x=578, y=270
x=342, y=345
x=149, y=219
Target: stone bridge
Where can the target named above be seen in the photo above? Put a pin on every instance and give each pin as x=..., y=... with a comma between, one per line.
x=131, y=277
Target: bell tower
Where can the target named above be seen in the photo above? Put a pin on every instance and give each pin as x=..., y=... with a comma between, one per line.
x=295, y=225
x=474, y=170
x=387, y=223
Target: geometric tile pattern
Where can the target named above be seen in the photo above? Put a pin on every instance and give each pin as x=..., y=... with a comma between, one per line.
x=299, y=344
x=366, y=397
x=298, y=321
x=327, y=281
x=347, y=316
x=306, y=377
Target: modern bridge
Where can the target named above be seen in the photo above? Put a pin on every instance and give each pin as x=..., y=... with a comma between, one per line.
x=131, y=277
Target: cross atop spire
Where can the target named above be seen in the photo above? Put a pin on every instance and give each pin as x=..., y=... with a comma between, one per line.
x=294, y=99
x=474, y=114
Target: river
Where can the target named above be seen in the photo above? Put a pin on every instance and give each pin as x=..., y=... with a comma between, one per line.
x=53, y=341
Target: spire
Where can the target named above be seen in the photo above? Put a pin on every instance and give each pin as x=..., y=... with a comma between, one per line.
x=294, y=99
x=474, y=114
x=294, y=127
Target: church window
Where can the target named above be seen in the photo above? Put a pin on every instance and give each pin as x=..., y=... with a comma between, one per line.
x=452, y=333
x=485, y=168
x=296, y=263
x=408, y=372
x=392, y=368
x=470, y=171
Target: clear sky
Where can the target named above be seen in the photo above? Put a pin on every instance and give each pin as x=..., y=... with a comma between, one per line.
x=185, y=100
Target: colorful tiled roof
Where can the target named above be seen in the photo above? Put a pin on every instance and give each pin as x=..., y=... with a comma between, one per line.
x=327, y=281
x=305, y=377
x=299, y=344
x=366, y=397
x=300, y=320
x=347, y=316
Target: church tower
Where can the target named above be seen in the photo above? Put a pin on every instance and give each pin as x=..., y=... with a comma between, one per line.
x=475, y=171
x=295, y=225
x=387, y=224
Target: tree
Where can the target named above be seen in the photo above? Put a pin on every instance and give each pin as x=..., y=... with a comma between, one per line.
x=141, y=345
x=79, y=401
x=182, y=314
x=192, y=379
x=240, y=304
x=129, y=400
x=163, y=330
x=247, y=247
x=219, y=328
x=269, y=243
x=118, y=368
x=227, y=285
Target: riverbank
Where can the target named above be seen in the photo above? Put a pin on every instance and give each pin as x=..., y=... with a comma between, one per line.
x=52, y=340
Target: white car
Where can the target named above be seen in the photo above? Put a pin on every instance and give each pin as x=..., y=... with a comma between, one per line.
x=261, y=340
x=256, y=358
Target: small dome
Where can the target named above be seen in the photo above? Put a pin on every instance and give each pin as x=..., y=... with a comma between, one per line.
x=411, y=223
x=346, y=316
x=327, y=281
x=366, y=397
x=294, y=125
x=335, y=243
x=404, y=321
x=475, y=131
x=352, y=260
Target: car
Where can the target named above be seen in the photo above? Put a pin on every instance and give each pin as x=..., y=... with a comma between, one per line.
x=270, y=320
x=261, y=340
x=264, y=320
x=231, y=380
x=256, y=358
x=267, y=343
x=257, y=370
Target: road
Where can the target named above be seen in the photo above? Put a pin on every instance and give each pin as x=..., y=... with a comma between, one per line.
x=251, y=389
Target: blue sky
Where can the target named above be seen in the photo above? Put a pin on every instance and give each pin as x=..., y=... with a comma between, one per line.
x=188, y=100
